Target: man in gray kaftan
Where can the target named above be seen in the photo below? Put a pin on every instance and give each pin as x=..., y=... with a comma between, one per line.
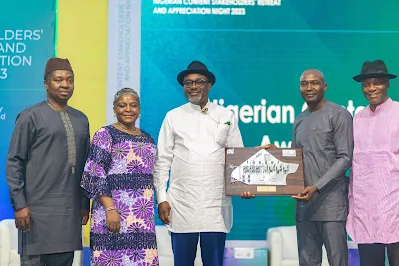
x=324, y=132
x=45, y=162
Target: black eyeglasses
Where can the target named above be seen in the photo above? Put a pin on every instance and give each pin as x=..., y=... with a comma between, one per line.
x=189, y=83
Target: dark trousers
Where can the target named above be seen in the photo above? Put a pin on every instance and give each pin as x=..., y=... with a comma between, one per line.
x=312, y=235
x=56, y=259
x=374, y=254
x=184, y=247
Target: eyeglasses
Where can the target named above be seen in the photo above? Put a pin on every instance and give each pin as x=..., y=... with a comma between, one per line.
x=189, y=83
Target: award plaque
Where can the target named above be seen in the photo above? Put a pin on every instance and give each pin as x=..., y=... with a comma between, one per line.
x=275, y=171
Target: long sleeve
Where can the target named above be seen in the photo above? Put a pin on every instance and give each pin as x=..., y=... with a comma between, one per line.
x=166, y=143
x=234, y=138
x=351, y=174
x=343, y=142
x=95, y=174
x=293, y=140
x=85, y=201
x=18, y=155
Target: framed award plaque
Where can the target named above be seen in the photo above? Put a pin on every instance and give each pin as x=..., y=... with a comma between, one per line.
x=275, y=171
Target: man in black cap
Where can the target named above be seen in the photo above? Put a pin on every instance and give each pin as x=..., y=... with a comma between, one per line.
x=191, y=145
x=47, y=153
x=373, y=220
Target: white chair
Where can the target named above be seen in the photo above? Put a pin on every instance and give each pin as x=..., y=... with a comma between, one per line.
x=9, y=246
x=78, y=255
x=283, y=247
x=8, y=243
x=164, y=244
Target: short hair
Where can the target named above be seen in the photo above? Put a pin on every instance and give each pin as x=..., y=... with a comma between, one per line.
x=123, y=91
x=313, y=70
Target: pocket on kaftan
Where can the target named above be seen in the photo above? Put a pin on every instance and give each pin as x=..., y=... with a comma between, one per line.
x=221, y=134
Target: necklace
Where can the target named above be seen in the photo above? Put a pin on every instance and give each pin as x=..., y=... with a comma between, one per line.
x=125, y=128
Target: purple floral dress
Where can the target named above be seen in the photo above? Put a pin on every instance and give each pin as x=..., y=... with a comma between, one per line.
x=120, y=165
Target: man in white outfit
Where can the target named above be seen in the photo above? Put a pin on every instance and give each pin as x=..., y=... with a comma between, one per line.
x=191, y=145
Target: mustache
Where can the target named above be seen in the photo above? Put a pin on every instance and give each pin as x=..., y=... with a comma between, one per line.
x=196, y=91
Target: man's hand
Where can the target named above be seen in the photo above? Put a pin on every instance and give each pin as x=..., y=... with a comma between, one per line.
x=85, y=217
x=247, y=195
x=22, y=219
x=164, y=212
x=268, y=146
x=307, y=193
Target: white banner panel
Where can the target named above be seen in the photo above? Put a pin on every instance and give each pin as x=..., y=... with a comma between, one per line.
x=123, y=59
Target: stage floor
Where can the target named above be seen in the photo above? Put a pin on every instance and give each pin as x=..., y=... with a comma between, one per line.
x=246, y=257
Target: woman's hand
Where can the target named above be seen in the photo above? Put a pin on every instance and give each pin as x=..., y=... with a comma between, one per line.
x=113, y=221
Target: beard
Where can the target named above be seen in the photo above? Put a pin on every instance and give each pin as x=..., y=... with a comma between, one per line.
x=194, y=99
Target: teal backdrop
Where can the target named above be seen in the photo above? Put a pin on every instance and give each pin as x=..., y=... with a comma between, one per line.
x=27, y=41
x=257, y=59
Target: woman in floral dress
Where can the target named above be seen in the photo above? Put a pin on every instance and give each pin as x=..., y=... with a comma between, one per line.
x=118, y=176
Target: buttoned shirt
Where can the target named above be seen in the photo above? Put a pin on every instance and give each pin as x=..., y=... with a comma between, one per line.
x=326, y=139
x=191, y=145
x=374, y=184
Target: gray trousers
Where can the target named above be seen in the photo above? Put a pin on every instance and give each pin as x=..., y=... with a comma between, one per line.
x=57, y=259
x=312, y=235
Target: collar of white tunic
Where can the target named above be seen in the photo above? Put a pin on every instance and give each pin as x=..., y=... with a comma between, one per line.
x=197, y=108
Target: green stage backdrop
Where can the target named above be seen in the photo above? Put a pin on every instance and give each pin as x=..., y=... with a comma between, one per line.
x=257, y=50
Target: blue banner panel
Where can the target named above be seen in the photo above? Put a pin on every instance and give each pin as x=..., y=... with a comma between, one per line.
x=27, y=41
